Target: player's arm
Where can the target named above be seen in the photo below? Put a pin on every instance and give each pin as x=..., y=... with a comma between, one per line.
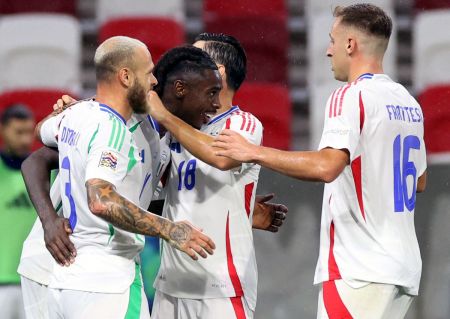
x=197, y=143
x=337, y=148
x=61, y=104
x=268, y=216
x=106, y=203
x=324, y=165
x=422, y=183
x=36, y=174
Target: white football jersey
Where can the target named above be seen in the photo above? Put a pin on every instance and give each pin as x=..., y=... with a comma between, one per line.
x=220, y=203
x=367, y=230
x=36, y=263
x=95, y=142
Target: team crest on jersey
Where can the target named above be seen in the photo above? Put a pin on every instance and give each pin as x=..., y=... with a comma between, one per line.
x=108, y=159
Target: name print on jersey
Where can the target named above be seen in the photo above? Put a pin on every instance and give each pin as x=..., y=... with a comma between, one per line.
x=69, y=136
x=404, y=113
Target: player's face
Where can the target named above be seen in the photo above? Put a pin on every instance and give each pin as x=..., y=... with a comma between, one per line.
x=18, y=136
x=337, y=51
x=202, y=100
x=144, y=81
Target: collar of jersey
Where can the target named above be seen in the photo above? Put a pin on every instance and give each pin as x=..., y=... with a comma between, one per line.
x=106, y=108
x=221, y=116
x=365, y=76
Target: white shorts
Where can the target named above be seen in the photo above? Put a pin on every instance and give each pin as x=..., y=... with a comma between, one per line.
x=35, y=296
x=168, y=307
x=75, y=304
x=337, y=300
x=11, y=304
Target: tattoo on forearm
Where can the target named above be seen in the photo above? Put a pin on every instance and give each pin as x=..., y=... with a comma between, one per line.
x=105, y=202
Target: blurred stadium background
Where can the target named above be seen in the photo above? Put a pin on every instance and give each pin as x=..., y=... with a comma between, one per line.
x=47, y=48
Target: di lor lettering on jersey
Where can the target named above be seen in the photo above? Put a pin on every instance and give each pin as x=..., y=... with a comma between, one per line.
x=69, y=136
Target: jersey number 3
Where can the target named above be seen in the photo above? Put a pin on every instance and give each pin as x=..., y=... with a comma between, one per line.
x=403, y=168
x=68, y=192
x=189, y=175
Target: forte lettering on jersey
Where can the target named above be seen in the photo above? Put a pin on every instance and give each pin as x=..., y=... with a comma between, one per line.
x=404, y=113
x=69, y=136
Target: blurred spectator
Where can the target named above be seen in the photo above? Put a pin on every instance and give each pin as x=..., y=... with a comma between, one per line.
x=17, y=214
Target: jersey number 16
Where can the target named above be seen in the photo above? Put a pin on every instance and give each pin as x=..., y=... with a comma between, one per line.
x=403, y=168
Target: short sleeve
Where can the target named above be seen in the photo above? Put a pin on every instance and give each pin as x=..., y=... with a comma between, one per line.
x=108, y=151
x=49, y=129
x=249, y=127
x=342, y=125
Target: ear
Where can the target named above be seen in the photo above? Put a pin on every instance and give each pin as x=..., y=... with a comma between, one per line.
x=126, y=77
x=180, y=88
x=351, y=45
x=222, y=70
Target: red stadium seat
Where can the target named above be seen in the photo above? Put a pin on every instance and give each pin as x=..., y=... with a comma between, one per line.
x=24, y=6
x=435, y=102
x=261, y=27
x=271, y=104
x=431, y=4
x=39, y=101
x=233, y=8
x=159, y=34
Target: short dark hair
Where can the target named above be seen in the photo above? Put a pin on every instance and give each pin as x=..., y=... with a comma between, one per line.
x=182, y=59
x=16, y=111
x=226, y=49
x=366, y=17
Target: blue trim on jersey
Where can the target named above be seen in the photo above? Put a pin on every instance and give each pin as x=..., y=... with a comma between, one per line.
x=153, y=123
x=106, y=108
x=221, y=116
x=147, y=178
x=366, y=76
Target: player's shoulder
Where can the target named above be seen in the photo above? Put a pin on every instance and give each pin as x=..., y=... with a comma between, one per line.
x=244, y=118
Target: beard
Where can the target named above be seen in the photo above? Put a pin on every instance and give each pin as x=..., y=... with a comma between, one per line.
x=137, y=98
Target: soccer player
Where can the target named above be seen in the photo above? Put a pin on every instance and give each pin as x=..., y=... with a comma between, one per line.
x=100, y=162
x=16, y=212
x=215, y=192
x=35, y=265
x=372, y=159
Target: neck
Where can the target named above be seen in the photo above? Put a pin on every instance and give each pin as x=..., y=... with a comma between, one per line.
x=226, y=100
x=115, y=98
x=365, y=65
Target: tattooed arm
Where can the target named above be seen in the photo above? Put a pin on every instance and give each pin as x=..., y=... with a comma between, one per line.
x=106, y=203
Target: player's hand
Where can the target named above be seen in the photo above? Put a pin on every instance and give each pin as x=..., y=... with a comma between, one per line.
x=156, y=108
x=268, y=216
x=234, y=146
x=190, y=240
x=57, y=241
x=64, y=102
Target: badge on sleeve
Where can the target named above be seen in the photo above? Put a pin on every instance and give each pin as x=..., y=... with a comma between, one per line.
x=108, y=159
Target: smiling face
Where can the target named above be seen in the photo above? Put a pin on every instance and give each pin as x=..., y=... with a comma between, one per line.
x=337, y=51
x=198, y=95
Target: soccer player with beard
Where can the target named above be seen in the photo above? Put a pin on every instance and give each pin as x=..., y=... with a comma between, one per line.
x=99, y=160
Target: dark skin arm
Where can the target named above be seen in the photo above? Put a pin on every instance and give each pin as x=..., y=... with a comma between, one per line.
x=266, y=216
x=36, y=174
x=106, y=203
